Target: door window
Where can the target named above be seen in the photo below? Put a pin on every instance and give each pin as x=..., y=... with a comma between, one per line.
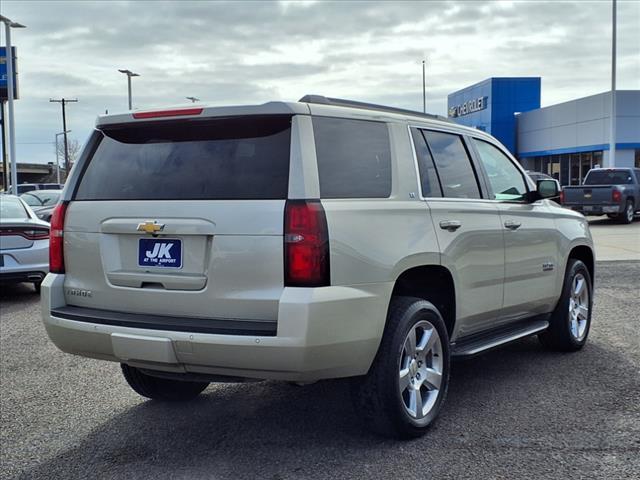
x=457, y=177
x=429, y=183
x=505, y=179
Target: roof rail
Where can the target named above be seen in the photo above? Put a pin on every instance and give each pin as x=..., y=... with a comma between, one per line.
x=340, y=102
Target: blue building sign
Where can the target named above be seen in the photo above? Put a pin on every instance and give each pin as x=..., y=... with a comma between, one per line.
x=4, y=80
x=491, y=105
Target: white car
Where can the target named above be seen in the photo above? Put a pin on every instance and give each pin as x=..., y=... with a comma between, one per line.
x=24, y=243
x=309, y=240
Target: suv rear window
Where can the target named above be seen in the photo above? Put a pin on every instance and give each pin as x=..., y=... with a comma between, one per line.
x=227, y=158
x=608, y=177
x=354, y=158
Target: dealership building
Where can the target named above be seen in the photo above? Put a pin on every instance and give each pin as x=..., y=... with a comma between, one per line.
x=563, y=140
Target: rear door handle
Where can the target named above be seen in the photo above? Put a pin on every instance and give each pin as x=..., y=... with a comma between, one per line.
x=512, y=225
x=450, y=225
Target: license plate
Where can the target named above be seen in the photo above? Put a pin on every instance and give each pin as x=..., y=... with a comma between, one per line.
x=588, y=209
x=160, y=252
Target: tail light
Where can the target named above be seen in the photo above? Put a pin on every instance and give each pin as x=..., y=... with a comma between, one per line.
x=28, y=233
x=56, y=240
x=561, y=196
x=616, y=196
x=306, y=244
x=168, y=113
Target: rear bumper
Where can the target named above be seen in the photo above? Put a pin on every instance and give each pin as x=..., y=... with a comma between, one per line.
x=327, y=332
x=595, y=209
x=25, y=264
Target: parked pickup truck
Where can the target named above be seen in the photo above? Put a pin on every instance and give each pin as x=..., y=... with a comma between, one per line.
x=611, y=191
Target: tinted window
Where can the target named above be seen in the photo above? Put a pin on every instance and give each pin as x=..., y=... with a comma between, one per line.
x=505, y=179
x=231, y=158
x=608, y=177
x=10, y=207
x=354, y=158
x=427, y=169
x=456, y=174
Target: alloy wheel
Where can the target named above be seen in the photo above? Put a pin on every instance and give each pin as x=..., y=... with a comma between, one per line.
x=421, y=369
x=579, y=307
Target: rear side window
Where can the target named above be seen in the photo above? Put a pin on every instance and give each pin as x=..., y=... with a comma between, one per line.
x=354, y=158
x=456, y=174
x=227, y=158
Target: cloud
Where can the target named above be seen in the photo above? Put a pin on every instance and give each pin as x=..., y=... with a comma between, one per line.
x=253, y=52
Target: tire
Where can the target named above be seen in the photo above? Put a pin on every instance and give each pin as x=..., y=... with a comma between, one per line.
x=162, y=389
x=37, y=287
x=384, y=406
x=626, y=216
x=569, y=325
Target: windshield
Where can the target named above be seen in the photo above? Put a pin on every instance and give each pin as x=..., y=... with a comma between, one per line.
x=11, y=207
x=31, y=200
x=608, y=177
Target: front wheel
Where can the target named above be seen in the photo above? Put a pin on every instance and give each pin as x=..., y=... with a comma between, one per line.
x=163, y=389
x=571, y=320
x=407, y=383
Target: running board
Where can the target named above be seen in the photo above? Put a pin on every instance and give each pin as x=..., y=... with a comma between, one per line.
x=475, y=344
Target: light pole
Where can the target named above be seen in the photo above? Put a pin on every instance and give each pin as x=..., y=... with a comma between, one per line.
x=612, y=124
x=424, y=87
x=58, y=156
x=129, y=74
x=193, y=99
x=8, y=25
x=64, y=101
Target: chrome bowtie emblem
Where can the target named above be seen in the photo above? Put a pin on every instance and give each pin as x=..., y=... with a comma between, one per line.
x=150, y=227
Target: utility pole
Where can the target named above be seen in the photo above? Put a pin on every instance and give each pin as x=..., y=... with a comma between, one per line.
x=5, y=169
x=64, y=101
x=424, y=87
x=8, y=25
x=129, y=74
x=612, y=124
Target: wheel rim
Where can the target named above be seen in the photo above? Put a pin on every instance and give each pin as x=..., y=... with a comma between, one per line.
x=629, y=212
x=579, y=307
x=420, y=371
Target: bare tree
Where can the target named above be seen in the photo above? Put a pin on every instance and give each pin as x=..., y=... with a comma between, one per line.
x=73, y=146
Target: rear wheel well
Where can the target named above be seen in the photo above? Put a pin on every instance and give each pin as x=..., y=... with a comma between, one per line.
x=585, y=255
x=433, y=283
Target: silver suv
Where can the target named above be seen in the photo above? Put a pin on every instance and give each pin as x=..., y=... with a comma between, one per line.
x=310, y=240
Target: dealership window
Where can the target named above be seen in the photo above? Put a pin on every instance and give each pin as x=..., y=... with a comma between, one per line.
x=585, y=165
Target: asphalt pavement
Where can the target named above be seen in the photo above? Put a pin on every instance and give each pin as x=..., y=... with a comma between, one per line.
x=516, y=412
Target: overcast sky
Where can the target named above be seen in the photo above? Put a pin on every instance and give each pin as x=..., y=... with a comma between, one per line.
x=244, y=52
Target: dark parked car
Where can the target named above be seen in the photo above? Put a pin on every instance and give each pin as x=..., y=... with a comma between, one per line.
x=611, y=191
x=42, y=202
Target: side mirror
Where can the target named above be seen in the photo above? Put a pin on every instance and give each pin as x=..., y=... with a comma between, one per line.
x=548, y=189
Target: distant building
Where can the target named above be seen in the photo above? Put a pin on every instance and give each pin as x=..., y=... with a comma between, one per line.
x=563, y=140
x=34, y=173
